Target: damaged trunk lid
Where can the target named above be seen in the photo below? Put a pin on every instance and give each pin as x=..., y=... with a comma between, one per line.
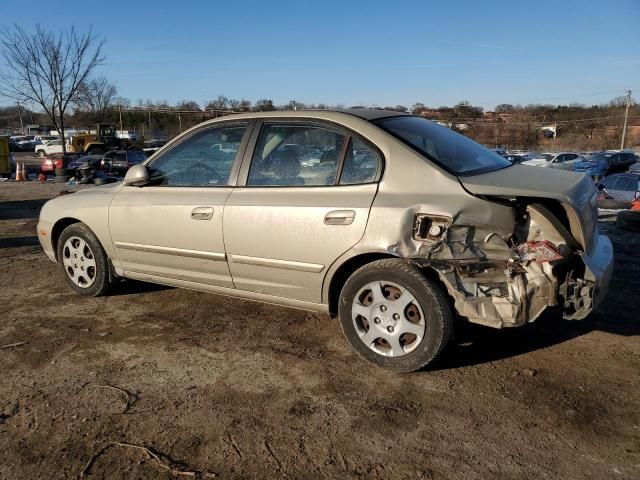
x=574, y=192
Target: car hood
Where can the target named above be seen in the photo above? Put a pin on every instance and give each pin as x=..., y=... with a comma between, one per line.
x=575, y=189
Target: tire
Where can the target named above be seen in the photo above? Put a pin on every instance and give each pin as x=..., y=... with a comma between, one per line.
x=96, y=276
x=612, y=204
x=628, y=220
x=435, y=318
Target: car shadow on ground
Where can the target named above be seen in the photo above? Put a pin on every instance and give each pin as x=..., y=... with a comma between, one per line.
x=13, y=242
x=476, y=344
x=134, y=287
x=18, y=209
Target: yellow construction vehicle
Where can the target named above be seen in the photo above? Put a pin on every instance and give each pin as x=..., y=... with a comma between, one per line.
x=103, y=140
x=5, y=157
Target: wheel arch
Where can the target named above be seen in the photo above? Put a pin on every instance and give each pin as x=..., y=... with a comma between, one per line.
x=344, y=271
x=350, y=265
x=57, y=230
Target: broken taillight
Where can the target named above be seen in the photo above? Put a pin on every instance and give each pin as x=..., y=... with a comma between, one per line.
x=540, y=252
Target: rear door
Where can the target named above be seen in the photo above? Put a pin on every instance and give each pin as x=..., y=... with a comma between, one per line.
x=302, y=200
x=172, y=228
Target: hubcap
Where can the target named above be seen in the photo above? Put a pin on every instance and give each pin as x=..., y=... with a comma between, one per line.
x=79, y=262
x=388, y=319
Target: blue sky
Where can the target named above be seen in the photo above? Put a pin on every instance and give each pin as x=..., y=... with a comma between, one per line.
x=359, y=52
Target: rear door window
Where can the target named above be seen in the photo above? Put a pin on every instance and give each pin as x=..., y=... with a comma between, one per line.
x=295, y=155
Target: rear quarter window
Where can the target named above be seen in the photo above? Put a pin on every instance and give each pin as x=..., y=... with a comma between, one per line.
x=452, y=151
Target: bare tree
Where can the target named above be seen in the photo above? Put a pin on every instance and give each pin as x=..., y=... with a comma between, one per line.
x=47, y=69
x=95, y=96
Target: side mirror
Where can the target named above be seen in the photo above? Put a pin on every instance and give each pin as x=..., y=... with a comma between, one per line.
x=137, y=176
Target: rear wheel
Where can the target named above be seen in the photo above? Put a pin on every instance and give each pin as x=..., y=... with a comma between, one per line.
x=40, y=153
x=83, y=261
x=395, y=317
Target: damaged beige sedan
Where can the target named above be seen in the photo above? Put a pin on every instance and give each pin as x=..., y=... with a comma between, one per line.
x=389, y=221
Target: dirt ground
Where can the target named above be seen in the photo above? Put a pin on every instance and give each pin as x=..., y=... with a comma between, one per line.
x=245, y=390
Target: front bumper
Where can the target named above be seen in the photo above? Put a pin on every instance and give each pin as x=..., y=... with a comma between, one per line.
x=44, y=230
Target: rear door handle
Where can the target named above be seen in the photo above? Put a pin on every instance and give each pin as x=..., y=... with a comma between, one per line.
x=202, y=213
x=340, y=217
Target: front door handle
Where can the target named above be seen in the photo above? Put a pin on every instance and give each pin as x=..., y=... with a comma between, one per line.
x=339, y=217
x=202, y=213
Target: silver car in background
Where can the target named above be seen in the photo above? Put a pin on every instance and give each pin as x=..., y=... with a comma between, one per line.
x=562, y=160
x=391, y=222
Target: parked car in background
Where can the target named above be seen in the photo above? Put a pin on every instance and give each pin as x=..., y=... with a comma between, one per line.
x=519, y=157
x=562, y=160
x=622, y=159
x=119, y=161
x=635, y=168
x=52, y=146
x=41, y=139
x=57, y=160
x=597, y=165
x=401, y=227
x=620, y=186
x=23, y=143
x=13, y=145
x=49, y=165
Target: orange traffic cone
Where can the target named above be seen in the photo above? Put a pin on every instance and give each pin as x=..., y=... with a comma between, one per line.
x=18, y=172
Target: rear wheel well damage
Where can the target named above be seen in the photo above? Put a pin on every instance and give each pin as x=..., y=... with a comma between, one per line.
x=349, y=267
x=499, y=278
x=344, y=272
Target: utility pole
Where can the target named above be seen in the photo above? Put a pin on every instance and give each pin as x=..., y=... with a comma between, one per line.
x=120, y=112
x=180, y=122
x=20, y=113
x=626, y=115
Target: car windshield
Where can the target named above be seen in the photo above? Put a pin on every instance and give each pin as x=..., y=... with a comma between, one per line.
x=544, y=156
x=454, y=152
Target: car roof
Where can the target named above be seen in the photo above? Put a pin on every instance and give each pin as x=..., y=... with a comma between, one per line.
x=368, y=114
x=372, y=113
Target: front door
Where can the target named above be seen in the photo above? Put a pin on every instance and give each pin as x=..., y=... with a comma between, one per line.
x=303, y=201
x=172, y=228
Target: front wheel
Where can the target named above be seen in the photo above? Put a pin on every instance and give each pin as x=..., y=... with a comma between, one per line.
x=40, y=153
x=394, y=316
x=83, y=260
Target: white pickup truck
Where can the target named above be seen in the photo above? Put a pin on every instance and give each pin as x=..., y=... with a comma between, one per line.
x=52, y=146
